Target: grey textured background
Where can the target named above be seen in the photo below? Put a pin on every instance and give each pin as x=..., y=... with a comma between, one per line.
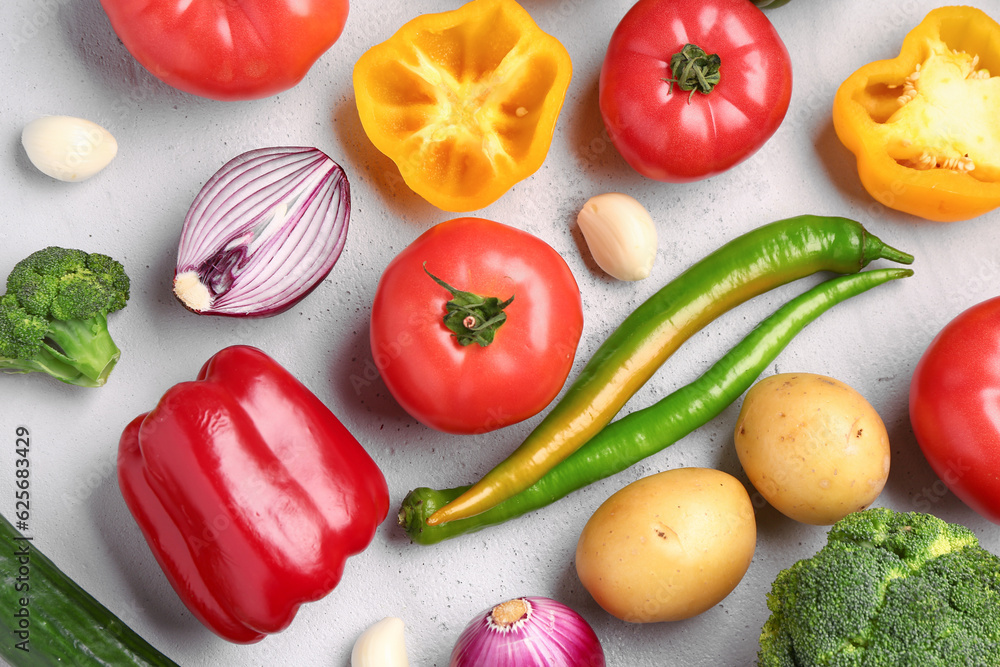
x=61, y=57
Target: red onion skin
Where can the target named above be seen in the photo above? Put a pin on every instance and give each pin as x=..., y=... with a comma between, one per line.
x=551, y=635
x=278, y=301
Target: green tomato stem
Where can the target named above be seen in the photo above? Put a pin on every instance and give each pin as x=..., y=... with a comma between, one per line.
x=470, y=317
x=695, y=70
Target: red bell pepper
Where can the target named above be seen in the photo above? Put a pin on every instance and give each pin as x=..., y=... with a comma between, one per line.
x=251, y=494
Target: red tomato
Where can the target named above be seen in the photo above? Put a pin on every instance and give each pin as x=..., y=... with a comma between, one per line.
x=955, y=406
x=675, y=135
x=231, y=49
x=472, y=388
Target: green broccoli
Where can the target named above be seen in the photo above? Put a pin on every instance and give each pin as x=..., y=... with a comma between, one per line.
x=889, y=588
x=53, y=317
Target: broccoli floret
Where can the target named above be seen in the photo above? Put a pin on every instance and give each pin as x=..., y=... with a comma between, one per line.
x=53, y=317
x=889, y=588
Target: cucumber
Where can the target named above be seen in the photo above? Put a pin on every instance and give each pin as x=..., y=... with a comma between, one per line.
x=48, y=619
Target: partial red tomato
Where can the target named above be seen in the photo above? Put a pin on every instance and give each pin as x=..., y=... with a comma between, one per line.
x=955, y=406
x=228, y=49
x=739, y=66
x=471, y=387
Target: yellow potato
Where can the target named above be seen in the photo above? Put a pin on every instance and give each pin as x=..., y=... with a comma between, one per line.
x=668, y=546
x=812, y=446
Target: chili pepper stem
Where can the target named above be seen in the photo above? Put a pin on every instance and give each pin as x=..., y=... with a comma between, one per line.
x=880, y=250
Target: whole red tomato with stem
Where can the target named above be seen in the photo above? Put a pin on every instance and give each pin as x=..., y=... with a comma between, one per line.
x=955, y=406
x=228, y=49
x=475, y=325
x=689, y=88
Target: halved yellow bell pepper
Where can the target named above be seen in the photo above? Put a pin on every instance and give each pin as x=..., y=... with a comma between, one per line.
x=464, y=102
x=925, y=126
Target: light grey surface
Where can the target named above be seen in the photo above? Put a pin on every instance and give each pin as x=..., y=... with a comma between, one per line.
x=62, y=57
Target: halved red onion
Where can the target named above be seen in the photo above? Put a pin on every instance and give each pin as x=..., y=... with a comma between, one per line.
x=263, y=232
x=528, y=632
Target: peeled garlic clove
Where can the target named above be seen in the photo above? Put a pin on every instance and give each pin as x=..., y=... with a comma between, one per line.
x=620, y=234
x=381, y=645
x=68, y=148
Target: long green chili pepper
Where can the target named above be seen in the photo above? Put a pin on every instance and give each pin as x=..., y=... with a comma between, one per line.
x=645, y=432
x=749, y=265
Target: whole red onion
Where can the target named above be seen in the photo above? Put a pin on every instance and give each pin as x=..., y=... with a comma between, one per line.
x=528, y=632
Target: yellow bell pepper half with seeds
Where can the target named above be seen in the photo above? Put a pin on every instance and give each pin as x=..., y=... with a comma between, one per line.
x=464, y=102
x=925, y=126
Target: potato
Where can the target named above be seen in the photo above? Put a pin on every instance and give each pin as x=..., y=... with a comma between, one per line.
x=668, y=546
x=812, y=446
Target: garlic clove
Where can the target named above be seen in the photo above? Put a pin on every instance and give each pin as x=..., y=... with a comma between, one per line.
x=620, y=235
x=381, y=645
x=68, y=148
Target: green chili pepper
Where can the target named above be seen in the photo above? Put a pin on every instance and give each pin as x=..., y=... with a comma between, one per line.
x=645, y=432
x=770, y=4
x=760, y=260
